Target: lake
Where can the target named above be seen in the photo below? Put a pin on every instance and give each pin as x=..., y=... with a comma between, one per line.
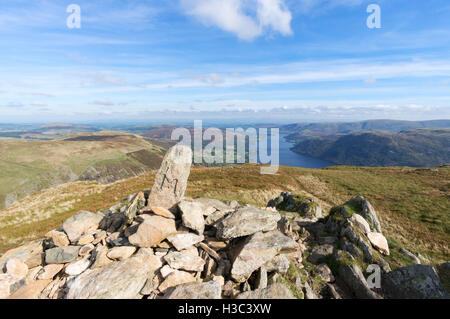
x=290, y=158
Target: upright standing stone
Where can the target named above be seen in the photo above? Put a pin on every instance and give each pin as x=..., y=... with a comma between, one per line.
x=171, y=179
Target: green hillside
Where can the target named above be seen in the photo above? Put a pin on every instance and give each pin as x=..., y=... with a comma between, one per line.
x=29, y=166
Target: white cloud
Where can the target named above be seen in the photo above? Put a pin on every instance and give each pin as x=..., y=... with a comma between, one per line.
x=233, y=16
x=274, y=13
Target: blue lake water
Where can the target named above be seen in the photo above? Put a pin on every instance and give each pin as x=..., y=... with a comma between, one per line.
x=290, y=158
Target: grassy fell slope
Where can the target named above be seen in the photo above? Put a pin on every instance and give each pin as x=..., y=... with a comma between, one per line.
x=413, y=204
x=30, y=166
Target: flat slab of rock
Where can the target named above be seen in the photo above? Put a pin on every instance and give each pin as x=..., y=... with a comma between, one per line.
x=361, y=223
x=30, y=253
x=31, y=290
x=59, y=238
x=77, y=267
x=184, y=240
x=259, y=249
x=177, y=260
x=81, y=223
x=192, y=216
x=9, y=285
x=50, y=271
x=211, y=206
x=414, y=282
x=274, y=291
x=379, y=242
x=121, y=253
x=161, y=211
x=171, y=179
x=61, y=255
x=174, y=279
x=16, y=267
x=152, y=231
x=246, y=221
x=196, y=290
x=118, y=280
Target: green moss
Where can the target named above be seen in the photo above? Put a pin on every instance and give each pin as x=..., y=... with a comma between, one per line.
x=296, y=291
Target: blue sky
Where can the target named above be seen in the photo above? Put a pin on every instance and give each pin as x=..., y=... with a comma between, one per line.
x=261, y=60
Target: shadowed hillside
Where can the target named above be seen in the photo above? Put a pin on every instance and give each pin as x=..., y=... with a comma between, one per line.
x=417, y=148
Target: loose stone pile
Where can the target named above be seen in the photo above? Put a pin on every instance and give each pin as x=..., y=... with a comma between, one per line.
x=159, y=244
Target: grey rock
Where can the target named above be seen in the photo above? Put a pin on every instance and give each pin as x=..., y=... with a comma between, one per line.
x=184, y=240
x=409, y=255
x=354, y=279
x=171, y=179
x=192, y=216
x=61, y=255
x=31, y=254
x=384, y=265
x=320, y=252
x=257, y=250
x=246, y=221
x=136, y=204
x=9, y=285
x=196, y=290
x=367, y=211
x=361, y=223
x=414, y=282
x=279, y=264
x=177, y=260
x=81, y=223
x=274, y=291
x=261, y=280
x=309, y=293
x=118, y=280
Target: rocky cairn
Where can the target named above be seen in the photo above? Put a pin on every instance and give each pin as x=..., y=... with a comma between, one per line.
x=159, y=244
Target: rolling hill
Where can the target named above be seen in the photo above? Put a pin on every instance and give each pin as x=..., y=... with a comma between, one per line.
x=30, y=166
x=416, y=148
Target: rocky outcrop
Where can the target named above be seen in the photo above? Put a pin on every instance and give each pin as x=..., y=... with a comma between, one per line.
x=301, y=204
x=246, y=221
x=259, y=249
x=414, y=282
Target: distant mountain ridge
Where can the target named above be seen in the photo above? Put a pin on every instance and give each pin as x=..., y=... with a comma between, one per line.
x=416, y=148
x=302, y=131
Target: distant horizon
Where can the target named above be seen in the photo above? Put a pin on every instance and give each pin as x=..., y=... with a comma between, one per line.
x=205, y=122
